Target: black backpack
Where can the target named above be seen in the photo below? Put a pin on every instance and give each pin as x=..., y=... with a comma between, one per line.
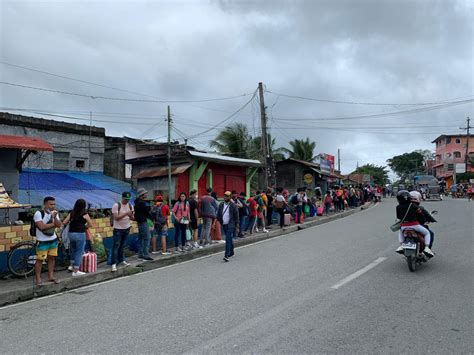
x=33, y=224
x=294, y=199
x=245, y=208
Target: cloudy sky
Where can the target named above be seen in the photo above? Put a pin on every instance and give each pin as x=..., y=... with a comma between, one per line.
x=372, y=78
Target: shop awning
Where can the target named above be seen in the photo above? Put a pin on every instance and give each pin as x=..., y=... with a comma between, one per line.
x=25, y=143
x=161, y=171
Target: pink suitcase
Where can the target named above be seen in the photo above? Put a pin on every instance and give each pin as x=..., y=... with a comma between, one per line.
x=320, y=211
x=89, y=262
x=287, y=219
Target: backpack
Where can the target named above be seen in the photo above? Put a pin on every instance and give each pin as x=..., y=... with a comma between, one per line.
x=278, y=204
x=245, y=208
x=33, y=224
x=294, y=199
x=118, y=211
x=157, y=213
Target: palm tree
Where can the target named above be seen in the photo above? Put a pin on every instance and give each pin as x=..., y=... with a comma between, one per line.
x=301, y=149
x=255, y=149
x=233, y=140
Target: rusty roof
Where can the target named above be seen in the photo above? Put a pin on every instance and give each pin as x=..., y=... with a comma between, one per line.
x=26, y=143
x=161, y=171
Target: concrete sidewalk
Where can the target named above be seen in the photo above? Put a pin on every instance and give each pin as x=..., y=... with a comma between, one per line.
x=17, y=290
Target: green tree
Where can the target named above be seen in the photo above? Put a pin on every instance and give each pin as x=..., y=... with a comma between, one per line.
x=255, y=149
x=301, y=149
x=378, y=173
x=409, y=163
x=233, y=140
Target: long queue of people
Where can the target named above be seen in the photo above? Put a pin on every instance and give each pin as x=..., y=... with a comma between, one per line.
x=197, y=222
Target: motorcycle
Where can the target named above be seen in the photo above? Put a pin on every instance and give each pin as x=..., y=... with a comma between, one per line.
x=413, y=246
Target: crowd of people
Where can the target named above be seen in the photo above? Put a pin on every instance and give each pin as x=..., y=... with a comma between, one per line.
x=197, y=222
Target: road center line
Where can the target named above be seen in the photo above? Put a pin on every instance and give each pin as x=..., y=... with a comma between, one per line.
x=358, y=273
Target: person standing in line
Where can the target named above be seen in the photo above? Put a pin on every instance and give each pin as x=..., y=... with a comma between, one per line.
x=260, y=211
x=193, y=224
x=182, y=216
x=253, y=214
x=228, y=216
x=243, y=214
x=122, y=214
x=46, y=222
x=78, y=220
x=208, y=211
x=280, y=205
x=299, y=205
x=270, y=206
x=327, y=203
x=160, y=213
x=142, y=213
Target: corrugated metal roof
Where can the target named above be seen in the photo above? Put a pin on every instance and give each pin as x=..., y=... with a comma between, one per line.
x=225, y=159
x=22, y=142
x=161, y=171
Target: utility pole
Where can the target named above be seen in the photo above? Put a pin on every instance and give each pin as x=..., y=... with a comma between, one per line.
x=339, y=160
x=263, y=118
x=169, y=156
x=90, y=136
x=468, y=127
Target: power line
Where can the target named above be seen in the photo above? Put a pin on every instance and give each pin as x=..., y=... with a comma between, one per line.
x=97, y=97
x=359, y=103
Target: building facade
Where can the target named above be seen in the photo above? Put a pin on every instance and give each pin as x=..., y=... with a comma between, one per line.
x=451, y=154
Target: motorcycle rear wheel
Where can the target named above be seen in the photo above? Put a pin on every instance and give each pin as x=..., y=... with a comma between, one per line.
x=411, y=261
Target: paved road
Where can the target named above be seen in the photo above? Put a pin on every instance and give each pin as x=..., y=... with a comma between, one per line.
x=284, y=295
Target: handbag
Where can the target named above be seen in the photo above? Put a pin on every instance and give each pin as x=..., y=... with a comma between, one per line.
x=184, y=220
x=188, y=234
x=397, y=225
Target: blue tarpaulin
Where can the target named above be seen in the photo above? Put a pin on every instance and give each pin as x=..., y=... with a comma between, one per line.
x=99, y=190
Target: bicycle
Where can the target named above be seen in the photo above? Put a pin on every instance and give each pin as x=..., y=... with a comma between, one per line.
x=21, y=258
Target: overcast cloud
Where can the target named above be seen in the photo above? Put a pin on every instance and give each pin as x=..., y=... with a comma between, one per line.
x=360, y=51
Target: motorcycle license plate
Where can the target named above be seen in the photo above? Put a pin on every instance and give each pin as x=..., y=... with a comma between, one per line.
x=409, y=246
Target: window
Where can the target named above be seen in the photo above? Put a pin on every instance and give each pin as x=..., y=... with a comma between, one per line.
x=80, y=164
x=458, y=141
x=448, y=140
x=61, y=160
x=457, y=154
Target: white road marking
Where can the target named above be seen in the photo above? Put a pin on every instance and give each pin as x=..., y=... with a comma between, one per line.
x=358, y=273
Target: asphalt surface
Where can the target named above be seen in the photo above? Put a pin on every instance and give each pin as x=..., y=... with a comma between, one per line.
x=334, y=288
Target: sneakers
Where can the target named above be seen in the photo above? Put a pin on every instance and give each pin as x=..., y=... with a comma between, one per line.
x=256, y=230
x=427, y=251
x=226, y=259
x=155, y=252
x=124, y=263
x=265, y=230
x=70, y=268
x=178, y=250
x=165, y=253
x=400, y=250
x=114, y=268
x=148, y=258
x=78, y=273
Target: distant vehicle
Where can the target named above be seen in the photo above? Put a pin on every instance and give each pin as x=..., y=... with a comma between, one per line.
x=428, y=185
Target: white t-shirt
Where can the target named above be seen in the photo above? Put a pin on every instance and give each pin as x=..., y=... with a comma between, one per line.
x=226, y=213
x=46, y=220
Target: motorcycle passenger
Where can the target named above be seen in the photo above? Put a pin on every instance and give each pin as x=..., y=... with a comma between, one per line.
x=408, y=212
x=425, y=217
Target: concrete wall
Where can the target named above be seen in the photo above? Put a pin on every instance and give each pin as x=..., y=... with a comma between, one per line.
x=114, y=158
x=77, y=145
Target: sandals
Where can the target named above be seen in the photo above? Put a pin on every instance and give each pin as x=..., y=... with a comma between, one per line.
x=55, y=281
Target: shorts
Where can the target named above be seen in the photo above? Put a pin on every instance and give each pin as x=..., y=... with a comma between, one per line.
x=193, y=224
x=45, y=249
x=161, y=231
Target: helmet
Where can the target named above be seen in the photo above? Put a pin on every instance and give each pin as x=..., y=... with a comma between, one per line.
x=415, y=196
x=403, y=196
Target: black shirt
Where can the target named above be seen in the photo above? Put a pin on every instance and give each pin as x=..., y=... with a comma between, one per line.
x=192, y=208
x=142, y=211
x=78, y=224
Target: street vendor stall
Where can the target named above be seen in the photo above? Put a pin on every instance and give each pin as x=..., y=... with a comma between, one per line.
x=6, y=203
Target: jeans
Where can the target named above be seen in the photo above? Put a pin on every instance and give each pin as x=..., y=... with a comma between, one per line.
x=242, y=225
x=144, y=238
x=77, y=245
x=299, y=211
x=229, y=243
x=180, y=229
x=120, y=237
x=327, y=207
x=281, y=212
x=252, y=225
x=206, y=230
x=269, y=215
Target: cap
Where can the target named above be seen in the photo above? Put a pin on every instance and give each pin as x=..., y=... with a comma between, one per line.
x=141, y=191
x=227, y=193
x=126, y=195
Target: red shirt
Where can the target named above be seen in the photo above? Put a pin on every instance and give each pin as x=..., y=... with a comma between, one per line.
x=165, y=210
x=253, y=207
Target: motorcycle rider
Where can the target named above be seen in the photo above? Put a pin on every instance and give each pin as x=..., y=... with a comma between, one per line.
x=425, y=216
x=409, y=212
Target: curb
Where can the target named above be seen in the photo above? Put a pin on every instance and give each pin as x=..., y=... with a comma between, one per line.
x=104, y=273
